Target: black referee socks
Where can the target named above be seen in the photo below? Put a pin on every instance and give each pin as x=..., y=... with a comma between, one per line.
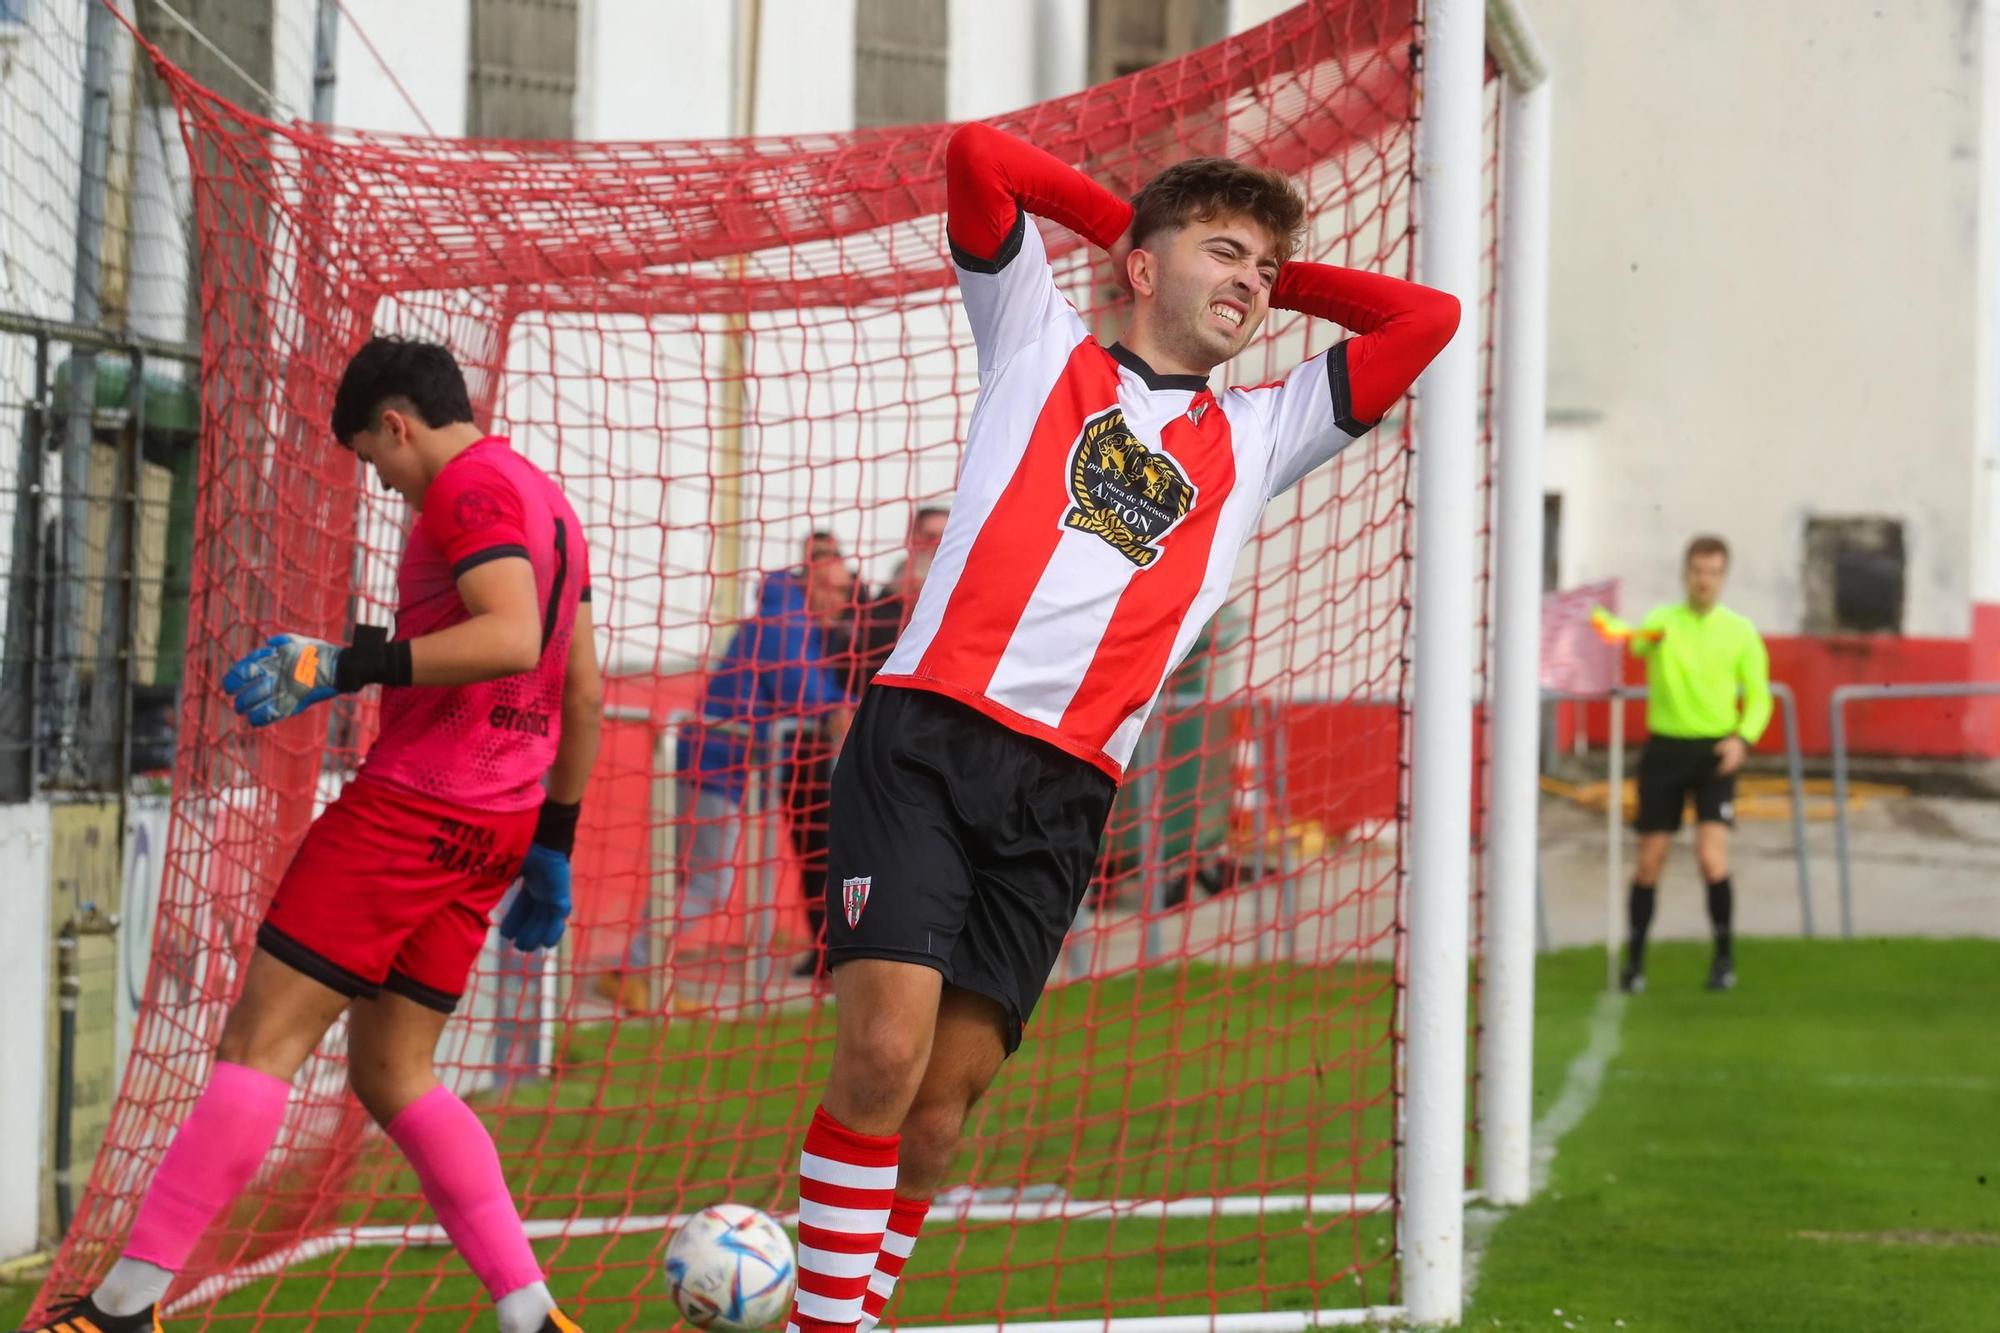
x=1721, y=907
x=1639, y=913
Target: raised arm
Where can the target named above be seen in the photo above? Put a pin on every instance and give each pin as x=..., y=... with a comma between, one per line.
x=1399, y=328
x=991, y=177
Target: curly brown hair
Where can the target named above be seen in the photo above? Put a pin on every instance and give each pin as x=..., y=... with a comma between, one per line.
x=1202, y=188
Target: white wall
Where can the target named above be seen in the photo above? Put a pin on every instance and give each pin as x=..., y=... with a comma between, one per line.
x=427, y=45
x=145, y=861
x=990, y=65
x=1062, y=47
x=1763, y=256
x=24, y=992
x=1986, y=451
x=655, y=69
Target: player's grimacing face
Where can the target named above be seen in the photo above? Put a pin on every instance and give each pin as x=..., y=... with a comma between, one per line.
x=1214, y=286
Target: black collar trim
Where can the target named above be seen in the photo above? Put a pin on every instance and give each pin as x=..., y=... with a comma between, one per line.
x=1155, y=381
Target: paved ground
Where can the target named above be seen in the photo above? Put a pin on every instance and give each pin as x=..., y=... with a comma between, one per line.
x=1922, y=865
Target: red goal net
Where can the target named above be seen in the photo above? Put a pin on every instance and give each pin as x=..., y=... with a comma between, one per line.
x=721, y=349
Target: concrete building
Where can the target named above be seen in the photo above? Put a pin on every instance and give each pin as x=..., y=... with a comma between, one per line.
x=1772, y=310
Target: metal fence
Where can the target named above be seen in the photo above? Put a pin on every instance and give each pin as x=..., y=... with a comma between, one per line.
x=1836, y=708
x=100, y=518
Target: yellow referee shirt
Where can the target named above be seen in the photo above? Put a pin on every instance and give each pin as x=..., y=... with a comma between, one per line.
x=1707, y=675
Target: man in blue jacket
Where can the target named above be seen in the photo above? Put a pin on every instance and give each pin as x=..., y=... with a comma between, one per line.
x=778, y=668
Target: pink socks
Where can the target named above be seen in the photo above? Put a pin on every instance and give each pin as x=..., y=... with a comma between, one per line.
x=460, y=1172
x=214, y=1154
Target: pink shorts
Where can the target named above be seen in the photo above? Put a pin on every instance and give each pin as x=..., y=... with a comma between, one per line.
x=390, y=891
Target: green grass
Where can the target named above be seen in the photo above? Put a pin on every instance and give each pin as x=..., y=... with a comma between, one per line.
x=1277, y=1076
x=1819, y=1150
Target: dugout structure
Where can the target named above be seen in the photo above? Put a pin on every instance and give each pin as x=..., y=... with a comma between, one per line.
x=1231, y=1112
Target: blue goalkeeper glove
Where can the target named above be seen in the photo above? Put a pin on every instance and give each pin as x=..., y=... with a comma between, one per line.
x=540, y=910
x=285, y=677
x=291, y=672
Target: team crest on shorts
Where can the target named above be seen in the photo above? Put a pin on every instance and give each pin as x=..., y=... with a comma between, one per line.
x=1127, y=494
x=854, y=898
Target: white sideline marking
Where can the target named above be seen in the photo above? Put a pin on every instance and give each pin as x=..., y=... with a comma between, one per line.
x=1582, y=1081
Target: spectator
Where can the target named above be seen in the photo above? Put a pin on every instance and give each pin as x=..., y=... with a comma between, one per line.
x=881, y=618
x=821, y=545
x=777, y=667
x=862, y=641
x=1708, y=699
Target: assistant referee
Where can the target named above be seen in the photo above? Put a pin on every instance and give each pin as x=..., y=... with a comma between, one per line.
x=1708, y=700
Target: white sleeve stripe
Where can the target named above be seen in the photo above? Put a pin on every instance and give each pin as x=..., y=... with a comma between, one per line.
x=829, y=1171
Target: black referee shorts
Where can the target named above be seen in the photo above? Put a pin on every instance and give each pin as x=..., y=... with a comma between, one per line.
x=960, y=845
x=1674, y=768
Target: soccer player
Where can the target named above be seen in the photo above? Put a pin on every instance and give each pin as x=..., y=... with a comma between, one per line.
x=1103, y=498
x=1708, y=699
x=490, y=719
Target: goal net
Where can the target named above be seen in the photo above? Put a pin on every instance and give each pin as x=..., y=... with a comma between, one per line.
x=721, y=349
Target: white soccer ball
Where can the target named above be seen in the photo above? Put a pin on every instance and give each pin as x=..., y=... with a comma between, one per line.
x=732, y=1268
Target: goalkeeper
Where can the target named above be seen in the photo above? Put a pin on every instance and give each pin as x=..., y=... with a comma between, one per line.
x=1708, y=699
x=490, y=689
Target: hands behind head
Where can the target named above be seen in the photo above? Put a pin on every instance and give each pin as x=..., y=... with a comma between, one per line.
x=1121, y=250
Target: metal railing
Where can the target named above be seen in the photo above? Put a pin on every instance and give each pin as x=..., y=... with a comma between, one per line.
x=1836, y=708
x=55, y=729
x=762, y=797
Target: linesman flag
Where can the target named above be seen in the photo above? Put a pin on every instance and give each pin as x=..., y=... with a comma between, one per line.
x=1575, y=657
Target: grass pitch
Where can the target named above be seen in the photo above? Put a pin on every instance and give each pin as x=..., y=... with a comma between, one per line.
x=1819, y=1150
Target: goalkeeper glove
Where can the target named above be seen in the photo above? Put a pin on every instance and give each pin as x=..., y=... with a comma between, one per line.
x=291, y=672
x=539, y=911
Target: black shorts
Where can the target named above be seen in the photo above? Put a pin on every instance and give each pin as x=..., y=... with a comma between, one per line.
x=1674, y=768
x=960, y=845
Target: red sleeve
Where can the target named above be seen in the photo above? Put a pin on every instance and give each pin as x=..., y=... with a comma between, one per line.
x=1401, y=327
x=475, y=515
x=990, y=177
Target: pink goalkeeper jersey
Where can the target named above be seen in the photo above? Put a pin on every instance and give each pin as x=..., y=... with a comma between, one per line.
x=485, y=746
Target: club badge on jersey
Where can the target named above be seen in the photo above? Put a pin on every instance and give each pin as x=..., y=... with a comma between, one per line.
x=854, y=898
x=1126, y=493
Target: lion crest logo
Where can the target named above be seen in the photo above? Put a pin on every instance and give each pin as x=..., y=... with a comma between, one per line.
x=1125, y=493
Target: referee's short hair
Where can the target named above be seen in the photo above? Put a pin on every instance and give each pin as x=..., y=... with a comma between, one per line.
x=1706, y=545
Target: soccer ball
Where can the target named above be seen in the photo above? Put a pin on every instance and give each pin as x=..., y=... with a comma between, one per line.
x=731, y=1268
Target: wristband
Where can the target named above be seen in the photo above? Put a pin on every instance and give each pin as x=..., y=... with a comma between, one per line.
x=556, y=829
x=372, y=660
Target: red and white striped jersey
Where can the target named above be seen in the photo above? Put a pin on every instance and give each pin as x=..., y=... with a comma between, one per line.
x=1099, y=514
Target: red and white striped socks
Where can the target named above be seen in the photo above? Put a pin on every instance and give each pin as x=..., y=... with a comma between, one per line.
x=847, y=1182
x=906, y=1220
